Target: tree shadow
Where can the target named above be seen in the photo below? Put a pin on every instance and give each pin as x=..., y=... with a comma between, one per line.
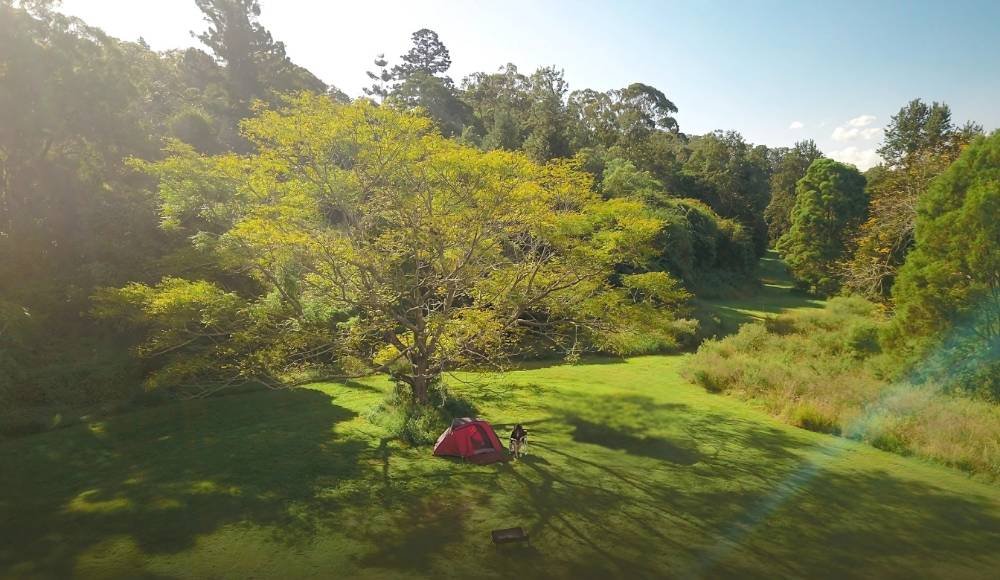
x=588, y=360
x=165, y=476
x=794, y=518
x=359, y=386
x=599, y=494
x=414, y=538
x=653, y=447
x=856, y=525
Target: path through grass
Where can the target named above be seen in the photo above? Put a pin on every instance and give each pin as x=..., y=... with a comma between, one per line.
x=777, y=294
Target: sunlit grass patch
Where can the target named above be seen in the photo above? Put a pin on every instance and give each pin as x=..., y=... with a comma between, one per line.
x=90, y=502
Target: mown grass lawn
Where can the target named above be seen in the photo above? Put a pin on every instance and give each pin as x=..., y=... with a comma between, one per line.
x=632, y=473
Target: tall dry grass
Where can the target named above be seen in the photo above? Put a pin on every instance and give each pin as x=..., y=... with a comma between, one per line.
x=823, y=370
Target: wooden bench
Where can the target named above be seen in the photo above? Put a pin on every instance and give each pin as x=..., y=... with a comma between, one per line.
x=509, y=536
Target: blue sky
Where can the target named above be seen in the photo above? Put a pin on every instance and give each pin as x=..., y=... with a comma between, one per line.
x=763, y=67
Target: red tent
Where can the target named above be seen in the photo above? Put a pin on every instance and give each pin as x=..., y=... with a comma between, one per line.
x=471, y=439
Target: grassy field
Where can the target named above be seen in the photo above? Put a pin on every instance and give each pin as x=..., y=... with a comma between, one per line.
x=632, y=472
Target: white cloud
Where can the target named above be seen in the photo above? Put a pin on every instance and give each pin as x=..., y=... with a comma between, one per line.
x=862, y=121
x=864, y=159
x=796, y=125
x=855, y=132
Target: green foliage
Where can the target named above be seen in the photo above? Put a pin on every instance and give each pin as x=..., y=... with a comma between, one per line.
x=547, y=123
x=704, y=250
x=921, y=129
x=196, y=128
x=789, y=168
x=708, y=252
x=622, y=179
x=188, y=322
x=256, y=64
x=920, y=144
x=812, y=418
x=447, y=256
x=830, y=204
x=886, y=237
x=947, y=295
x=436, y=98
x=419, y=84
x=732, y=177
x=823, y=370
x=427, y=56
x=75, y=105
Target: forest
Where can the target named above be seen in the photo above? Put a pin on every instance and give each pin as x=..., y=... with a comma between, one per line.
x=181, y=226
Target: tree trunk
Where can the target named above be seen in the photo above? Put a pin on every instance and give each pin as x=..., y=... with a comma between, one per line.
x=420, y=388
x=420, y=360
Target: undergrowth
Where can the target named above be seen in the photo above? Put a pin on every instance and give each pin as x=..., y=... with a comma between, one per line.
x=419, y=424
x=823, y=370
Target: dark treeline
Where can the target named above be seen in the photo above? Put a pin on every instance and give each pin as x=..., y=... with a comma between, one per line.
x=76, y=215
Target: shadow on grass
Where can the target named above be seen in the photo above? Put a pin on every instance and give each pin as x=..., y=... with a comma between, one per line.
x=416, y=533
x=359, y=386
x=600, y=493
x=591, y=359
x=855, y=525
x=805, y=522
x=166, y=476
x=653, y=447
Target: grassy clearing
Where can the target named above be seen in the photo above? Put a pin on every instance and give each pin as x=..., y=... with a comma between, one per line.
x=633, y=472
x=776, y=295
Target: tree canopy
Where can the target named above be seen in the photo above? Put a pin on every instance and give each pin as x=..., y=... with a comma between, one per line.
x=947, y=295
x=830, y=202
x=377, y=243
x=790, y=166
x=283, y=246
x=920, y=143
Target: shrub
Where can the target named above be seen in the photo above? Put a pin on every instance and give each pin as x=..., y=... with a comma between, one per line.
x=863, y=339
x=810, y=417
x=714, y=256
x=419, y=424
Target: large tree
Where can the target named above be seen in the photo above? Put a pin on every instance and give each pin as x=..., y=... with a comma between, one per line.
x=420, y=82
x=918, y=129
x=920, y=143
x=731, y=176
x=256, y=64
x=625, y=117
x=428, y=55
x=830, y=203
x=789, y=167
x=947, y=295
x=548, y=121
x=501, y=102
x=378, y=244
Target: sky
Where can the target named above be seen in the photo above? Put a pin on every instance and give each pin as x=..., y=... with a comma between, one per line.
x=776, y=71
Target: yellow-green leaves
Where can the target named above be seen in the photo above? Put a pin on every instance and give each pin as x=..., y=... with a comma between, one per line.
x=371, y=233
